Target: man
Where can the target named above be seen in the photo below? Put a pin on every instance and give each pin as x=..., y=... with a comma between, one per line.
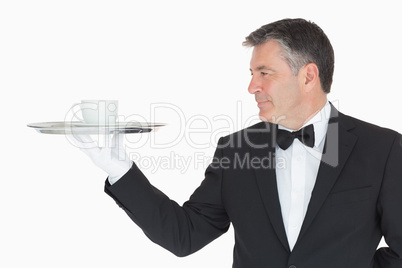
x=307, y=187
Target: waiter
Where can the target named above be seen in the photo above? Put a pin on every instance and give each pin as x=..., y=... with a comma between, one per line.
x=336, y=193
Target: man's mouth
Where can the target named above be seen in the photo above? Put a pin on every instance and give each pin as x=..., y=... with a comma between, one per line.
x=261, y=103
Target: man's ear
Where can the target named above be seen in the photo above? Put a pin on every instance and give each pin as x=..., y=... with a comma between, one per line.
x=311, y=76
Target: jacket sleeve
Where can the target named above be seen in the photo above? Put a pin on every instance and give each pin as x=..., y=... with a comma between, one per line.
x=180, y=229
x=390, y=210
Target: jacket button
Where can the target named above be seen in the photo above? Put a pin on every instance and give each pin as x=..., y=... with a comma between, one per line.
x=292, y=266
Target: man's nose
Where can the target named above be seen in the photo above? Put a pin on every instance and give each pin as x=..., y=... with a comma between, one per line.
x=254, y=86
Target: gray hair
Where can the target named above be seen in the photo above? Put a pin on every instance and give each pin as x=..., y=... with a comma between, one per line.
x=302, y=42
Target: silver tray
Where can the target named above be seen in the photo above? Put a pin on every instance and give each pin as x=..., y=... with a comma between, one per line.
x=78, y=128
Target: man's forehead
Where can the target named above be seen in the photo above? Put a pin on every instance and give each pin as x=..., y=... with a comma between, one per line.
x=261, y=68
x=266, y=56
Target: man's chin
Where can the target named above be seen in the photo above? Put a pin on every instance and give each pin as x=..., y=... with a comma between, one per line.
x=266, y=117
x=271, y=118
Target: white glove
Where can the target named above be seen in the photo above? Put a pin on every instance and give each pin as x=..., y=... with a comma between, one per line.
x=112, y=158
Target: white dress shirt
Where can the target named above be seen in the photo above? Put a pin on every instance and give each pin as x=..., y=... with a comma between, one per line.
x=296, y=172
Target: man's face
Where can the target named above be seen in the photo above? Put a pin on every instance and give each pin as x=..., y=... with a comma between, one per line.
x=277, y=91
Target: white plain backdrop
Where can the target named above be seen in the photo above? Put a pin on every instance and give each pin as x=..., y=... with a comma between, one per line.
x=187, y=55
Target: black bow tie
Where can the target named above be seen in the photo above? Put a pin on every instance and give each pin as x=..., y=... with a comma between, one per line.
x=285, y=138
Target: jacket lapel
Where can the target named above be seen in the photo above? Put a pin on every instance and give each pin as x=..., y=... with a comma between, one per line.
x=338, y=146
x=266, y=180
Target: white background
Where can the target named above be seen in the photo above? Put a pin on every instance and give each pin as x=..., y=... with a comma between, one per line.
x=54, y=212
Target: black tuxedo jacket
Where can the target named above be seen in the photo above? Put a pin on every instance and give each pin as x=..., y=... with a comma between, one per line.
x=357, y=199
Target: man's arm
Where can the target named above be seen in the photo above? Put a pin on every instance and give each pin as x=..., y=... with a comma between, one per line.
x=180, y=229
x=390, y=210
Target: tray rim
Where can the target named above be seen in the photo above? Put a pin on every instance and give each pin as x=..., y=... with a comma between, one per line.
x=79, y=124
x=77, y=127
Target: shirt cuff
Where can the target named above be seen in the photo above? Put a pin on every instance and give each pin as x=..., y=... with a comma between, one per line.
x=113, y=179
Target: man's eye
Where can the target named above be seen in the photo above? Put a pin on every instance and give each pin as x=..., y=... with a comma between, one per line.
x=264, y=74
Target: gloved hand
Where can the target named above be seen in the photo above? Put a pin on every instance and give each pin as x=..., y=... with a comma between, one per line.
x=112, y=158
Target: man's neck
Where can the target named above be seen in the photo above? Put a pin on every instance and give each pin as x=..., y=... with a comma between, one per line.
x=299, y=122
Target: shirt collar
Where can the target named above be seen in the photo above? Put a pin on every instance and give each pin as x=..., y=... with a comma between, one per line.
x=320, y=122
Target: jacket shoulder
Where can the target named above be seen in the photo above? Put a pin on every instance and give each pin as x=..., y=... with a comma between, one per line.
x=260, y=133
x=360, y=127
